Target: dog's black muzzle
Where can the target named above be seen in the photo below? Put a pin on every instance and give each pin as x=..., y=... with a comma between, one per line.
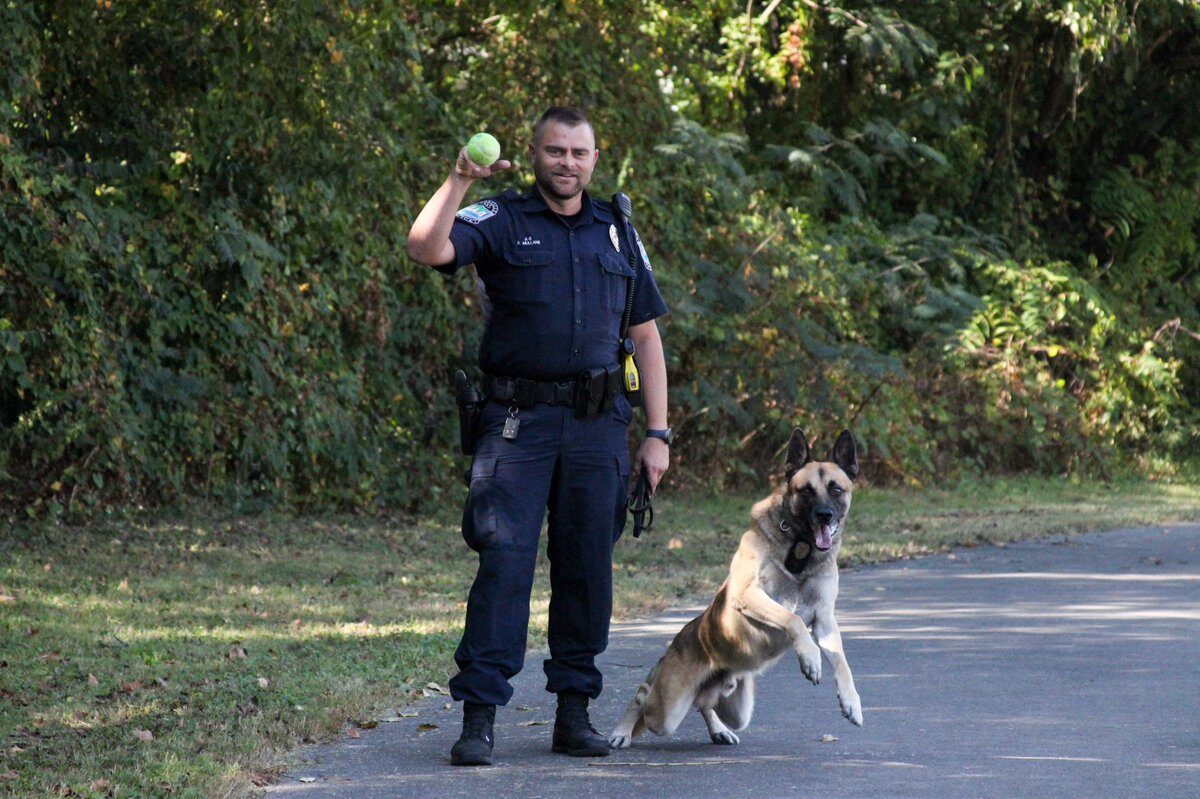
x=822, y=526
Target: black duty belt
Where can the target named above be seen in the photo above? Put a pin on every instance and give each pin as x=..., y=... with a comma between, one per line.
x=589, y=393
x=523, y=392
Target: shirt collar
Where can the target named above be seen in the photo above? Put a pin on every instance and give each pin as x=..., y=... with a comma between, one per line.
x=532, y=202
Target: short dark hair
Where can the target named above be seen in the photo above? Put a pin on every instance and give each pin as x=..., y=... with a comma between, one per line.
x=563, y=114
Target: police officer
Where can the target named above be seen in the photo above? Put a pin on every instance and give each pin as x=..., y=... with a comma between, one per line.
x=553, y=268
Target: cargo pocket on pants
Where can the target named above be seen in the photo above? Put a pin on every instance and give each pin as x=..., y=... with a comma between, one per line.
x=622, y=497
x=479, y=515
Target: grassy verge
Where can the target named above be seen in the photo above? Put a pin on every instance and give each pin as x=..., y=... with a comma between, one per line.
x=181, y=656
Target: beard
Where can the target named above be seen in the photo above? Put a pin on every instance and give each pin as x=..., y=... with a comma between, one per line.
x=544, y=179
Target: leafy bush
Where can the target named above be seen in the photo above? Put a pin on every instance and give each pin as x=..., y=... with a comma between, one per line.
x=968, y=232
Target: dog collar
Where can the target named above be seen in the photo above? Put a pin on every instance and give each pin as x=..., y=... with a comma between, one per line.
x=792, y=563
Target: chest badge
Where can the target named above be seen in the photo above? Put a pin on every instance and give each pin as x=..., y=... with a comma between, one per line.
x=612, y=235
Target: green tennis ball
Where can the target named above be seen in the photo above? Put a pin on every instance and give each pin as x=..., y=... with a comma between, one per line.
x=483, y=149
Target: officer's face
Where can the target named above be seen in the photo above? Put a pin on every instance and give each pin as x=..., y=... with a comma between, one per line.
x=563, y=159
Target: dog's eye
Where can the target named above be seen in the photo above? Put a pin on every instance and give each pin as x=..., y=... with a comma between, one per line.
x=808, y=491
x=836, y=490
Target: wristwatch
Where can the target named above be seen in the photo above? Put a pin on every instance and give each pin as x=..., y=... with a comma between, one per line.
x=663, y=435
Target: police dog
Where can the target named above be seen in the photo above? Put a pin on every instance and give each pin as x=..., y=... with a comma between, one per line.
x=783, y=579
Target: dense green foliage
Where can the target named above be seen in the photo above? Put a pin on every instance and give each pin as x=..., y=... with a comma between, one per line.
x=969, y=231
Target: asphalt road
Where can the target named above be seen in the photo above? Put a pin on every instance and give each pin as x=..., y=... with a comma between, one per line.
x=1062, y=668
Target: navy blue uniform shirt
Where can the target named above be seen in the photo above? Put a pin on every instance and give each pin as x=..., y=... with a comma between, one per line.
x=555, y=285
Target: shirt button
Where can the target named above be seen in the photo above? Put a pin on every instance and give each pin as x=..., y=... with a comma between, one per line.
x=579, y=321
x=576, y=350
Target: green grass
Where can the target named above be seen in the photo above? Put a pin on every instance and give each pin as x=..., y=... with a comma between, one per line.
x=141, y=624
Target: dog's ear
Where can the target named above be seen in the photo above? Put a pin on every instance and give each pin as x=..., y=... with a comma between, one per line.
x=799, y=453
x=845, y=454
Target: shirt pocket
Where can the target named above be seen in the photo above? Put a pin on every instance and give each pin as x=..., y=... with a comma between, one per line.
x=523, y=277
x=614, y=278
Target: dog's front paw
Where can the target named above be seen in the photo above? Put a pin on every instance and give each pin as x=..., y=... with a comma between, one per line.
x=810, y=662
x=725, y=738
x=851, y=708
x=619, y=740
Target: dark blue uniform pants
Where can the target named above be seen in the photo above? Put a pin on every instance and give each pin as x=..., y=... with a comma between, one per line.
x=577, y=469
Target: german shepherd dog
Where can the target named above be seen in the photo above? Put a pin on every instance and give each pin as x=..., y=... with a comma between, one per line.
x=783, y=579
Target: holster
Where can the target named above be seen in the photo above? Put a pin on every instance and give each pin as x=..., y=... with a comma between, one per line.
x=470, y=408
x=594, y=390
x=631, y=374
x=634, y=397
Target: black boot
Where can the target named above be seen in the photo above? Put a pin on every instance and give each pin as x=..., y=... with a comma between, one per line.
x=474, y=746
x=573, y=732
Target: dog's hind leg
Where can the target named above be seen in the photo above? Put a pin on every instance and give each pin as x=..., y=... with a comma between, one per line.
x=673, y=694
x=717, y=730
x=631, y=724
x=736, y=706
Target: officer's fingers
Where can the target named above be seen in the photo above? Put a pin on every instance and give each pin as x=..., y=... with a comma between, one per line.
x=463, y=165
x=467, y=168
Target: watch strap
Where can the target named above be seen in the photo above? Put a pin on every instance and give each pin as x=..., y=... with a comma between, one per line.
x=663, y=435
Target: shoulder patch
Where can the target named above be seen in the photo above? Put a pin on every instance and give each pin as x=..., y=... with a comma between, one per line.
x=642, y=249
x=478, y=212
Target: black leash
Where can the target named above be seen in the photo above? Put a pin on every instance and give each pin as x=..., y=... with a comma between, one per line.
x=639, y=504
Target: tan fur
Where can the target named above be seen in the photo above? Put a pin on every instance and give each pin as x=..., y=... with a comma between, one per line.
x=759, y=613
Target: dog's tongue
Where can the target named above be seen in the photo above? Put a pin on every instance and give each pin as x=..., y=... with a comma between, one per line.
x=824, y=536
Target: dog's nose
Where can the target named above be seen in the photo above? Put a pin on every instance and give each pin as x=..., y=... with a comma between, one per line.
x=823, y=514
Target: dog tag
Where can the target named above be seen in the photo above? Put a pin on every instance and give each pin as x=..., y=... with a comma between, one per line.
x=511, y=425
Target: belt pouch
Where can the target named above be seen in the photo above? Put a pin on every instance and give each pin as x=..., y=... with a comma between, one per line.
x=613, y=376
x=591, y=392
